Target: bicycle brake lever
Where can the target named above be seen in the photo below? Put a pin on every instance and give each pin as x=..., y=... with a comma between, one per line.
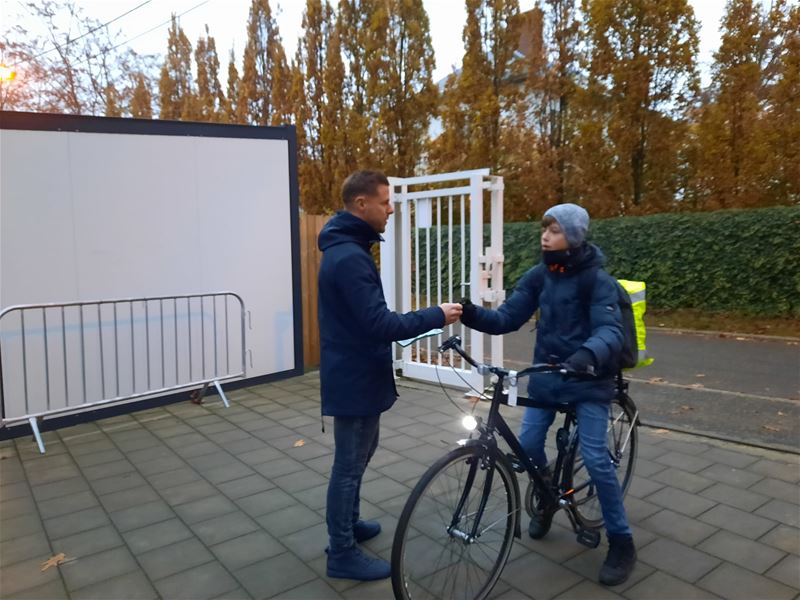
x=450, y=343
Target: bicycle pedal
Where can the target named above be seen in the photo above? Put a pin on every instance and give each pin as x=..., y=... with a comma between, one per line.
x=589, y=538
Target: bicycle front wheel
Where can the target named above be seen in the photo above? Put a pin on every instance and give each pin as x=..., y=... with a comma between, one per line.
x=457, y=528
x=622, y=446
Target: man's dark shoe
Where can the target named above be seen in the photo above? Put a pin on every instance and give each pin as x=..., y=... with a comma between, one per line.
x=354, y=564
x=365, y=530
x=620, y=560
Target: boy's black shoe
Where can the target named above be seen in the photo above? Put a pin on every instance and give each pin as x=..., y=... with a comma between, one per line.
x=540, y=524
x=620, y=560
x=542, y=517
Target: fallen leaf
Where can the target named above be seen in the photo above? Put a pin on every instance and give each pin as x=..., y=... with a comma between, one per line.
x=685, y=407
x=661, y=431
x=54, y=561
x=741, y=339
x=781, y=413
x=695, y=386
x=770, y=428
x=699, y=374
x=656, y=380
x=299, y=443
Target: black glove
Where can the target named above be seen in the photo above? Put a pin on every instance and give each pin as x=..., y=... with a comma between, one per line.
x=582, y=361
x=470, y=311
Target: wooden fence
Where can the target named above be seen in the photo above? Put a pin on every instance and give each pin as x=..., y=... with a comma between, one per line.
x=310, y=256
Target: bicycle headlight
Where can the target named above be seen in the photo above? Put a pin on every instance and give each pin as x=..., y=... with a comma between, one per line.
x=469, y=422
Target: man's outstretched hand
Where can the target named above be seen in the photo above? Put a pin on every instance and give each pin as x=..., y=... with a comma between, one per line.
x=452, y=312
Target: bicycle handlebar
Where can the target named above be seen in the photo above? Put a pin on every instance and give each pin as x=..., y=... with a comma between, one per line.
x=454, y=343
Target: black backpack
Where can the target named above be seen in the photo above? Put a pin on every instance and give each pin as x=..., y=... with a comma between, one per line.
x=629, y=356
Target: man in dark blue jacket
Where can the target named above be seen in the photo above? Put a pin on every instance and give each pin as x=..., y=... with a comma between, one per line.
x=356, y=331
x=580, y=325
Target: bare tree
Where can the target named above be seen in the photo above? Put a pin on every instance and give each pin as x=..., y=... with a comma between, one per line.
x=74, y=64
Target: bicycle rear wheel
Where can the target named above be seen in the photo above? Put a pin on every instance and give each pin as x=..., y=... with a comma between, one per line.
x=435, y=554
x=622, y=446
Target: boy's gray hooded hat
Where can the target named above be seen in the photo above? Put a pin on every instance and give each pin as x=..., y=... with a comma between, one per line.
x=574, y=221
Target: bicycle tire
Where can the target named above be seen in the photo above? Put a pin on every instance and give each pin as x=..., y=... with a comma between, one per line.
x=622, y=449
x=432, y=560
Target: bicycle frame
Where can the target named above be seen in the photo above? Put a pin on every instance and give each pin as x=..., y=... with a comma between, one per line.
x=487, y=439
x=496, y=425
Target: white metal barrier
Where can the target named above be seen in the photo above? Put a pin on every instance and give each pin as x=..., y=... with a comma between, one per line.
x=64, y=358
x=435, y=252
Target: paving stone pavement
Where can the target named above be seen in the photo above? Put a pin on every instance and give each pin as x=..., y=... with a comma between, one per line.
x=189, y=501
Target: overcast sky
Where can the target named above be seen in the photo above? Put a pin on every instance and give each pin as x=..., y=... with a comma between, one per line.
x=227, y=21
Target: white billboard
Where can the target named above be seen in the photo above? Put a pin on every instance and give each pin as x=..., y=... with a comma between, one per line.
x=94, y=208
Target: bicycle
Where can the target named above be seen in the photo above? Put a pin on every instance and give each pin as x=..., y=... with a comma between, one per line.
x=457, y=528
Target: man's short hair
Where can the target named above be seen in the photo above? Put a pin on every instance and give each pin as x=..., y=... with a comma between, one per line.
x=362, y=183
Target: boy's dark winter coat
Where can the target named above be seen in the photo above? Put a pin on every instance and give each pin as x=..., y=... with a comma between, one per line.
x=356, y=327
x=565, y=324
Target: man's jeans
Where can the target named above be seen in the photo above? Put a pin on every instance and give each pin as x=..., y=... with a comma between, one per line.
x=592, y=431
x=355, y=439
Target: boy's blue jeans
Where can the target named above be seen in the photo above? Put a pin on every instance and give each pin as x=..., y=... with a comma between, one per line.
x=355, y=439
x=592, y=431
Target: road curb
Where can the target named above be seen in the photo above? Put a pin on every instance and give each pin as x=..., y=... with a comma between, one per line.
x=724, y=334
x=693, y=388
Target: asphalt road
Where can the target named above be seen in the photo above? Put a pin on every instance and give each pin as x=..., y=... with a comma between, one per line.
x=741, y=389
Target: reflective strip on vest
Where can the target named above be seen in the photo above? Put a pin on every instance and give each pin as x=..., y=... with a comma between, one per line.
x=641, y=333
x=638, y=297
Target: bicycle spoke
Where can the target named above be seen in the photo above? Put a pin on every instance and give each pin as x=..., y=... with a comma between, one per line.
x=488, y=527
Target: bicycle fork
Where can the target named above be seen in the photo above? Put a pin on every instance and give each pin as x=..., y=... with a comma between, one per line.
x=470, y=537
x=452, y=529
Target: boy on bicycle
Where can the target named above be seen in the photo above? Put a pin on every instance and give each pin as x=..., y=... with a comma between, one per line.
x=579, y=326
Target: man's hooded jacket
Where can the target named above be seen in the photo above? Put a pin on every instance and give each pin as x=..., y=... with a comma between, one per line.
x=355, y=325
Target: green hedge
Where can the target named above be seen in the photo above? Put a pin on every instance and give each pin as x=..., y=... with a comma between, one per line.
x=731, y=260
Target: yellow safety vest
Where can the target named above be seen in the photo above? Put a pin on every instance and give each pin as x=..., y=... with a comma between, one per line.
x=637, y=290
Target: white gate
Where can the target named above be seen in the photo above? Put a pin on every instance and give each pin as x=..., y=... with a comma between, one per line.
x=435, y=252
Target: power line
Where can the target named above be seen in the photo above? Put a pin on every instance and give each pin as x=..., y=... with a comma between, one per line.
x=143, y=33
x=83, y=35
